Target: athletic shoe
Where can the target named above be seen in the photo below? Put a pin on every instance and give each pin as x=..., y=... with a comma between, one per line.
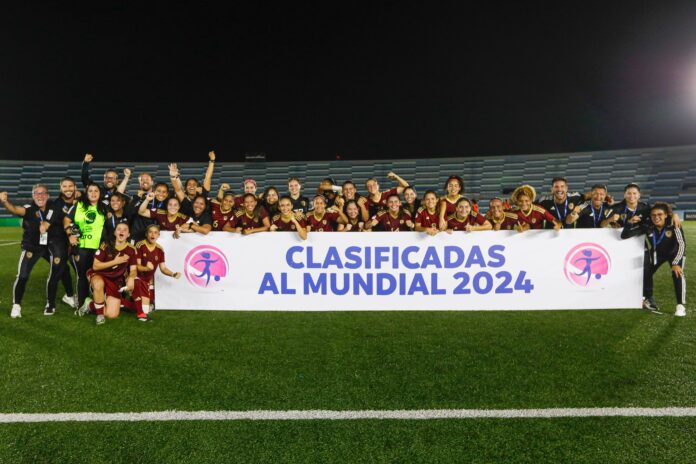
x=681, y=311
x=147, y=318
x=84, y=309
x=16, y=311
x=70, y=301
x=49, y=311
x=649, y=304
x=100, y=319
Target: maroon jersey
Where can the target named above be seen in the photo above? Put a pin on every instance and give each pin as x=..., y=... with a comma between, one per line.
x=243, y=220
x=219, y=216
x=508, y=222
x=326, y=223
x=239, y=201
x=354, y=226
x=535, y=218
x=163, y=220
x=146, y=255
x=288, y=226
x=425, y=219
x=450, y=206
x=473, y=219
x=115, y=272
x=374, y=206
x=389, y=223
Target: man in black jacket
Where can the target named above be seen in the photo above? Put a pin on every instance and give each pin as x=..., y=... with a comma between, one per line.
x=664, y=242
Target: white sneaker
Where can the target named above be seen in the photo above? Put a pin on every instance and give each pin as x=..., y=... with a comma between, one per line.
x=16, y=311
x=681, y=311
x=100, y=319
x=70, y=301
x=84, y=309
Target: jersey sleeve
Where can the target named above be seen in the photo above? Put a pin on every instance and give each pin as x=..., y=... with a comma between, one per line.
x=479, y=219
x=132, y=256
x=548, y=216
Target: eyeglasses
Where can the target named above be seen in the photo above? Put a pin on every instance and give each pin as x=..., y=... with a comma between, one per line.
x=40, y=194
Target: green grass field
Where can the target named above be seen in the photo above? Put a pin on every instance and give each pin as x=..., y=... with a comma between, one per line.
x=346, y=361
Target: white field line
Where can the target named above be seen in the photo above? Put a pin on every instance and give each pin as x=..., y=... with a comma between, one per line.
x=8, y=244
x=322, y=414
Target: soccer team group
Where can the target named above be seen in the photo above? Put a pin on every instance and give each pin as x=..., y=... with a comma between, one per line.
x=110, y=238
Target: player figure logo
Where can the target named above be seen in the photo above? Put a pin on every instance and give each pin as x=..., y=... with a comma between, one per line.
x=586, y=264
x=205, y=266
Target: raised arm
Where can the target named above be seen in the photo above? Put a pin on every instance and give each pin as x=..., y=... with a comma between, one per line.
x=209, y=172
x=402, y=183
x=16, y=210
x=221, y=192
x=176, y=181
x=142, y=210
x=124, y=183
x=364, y=213
x=86, y=177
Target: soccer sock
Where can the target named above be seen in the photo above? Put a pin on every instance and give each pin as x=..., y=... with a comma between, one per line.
x=139, y=309
x=98, y=307
x=129, y=305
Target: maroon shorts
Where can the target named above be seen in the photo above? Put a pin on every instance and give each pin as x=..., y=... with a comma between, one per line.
x=143, y=289
x=111, y=288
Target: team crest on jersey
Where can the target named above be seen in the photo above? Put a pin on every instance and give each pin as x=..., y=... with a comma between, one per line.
x=29, y=254
x=571, y=205
x=668, y=233
x=56, y=260
x=401, y=221
x=323, y=221
x=292, y=226
x=533, y=220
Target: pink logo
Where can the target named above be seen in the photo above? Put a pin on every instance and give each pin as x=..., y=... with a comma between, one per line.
x=586, y=264
x=205, y=266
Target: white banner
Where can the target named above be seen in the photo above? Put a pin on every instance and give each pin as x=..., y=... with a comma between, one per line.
x=277, y=271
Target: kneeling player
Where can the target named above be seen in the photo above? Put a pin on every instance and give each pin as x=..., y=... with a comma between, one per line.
x=664, y=243
x=288, y=220
x=150, y=257
x=114, y=265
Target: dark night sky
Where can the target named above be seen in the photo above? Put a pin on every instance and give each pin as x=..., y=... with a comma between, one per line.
x=311, y=80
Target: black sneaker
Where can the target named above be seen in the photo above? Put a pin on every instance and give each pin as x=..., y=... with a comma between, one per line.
x=49, y=311
x=649, y=304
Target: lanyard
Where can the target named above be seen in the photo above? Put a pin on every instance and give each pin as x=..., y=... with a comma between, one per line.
x=594, y=219
x=565, y=210
x=627, y=210
x=657, y=241
x=113, y=221
x=41, y=216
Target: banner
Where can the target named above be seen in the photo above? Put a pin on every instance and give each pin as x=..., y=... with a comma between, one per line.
x=378, y=271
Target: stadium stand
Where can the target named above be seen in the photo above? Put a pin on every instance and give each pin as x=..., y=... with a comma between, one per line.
x=666, y=174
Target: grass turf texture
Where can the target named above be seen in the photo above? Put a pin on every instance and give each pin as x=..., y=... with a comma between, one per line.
x=376, y=360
